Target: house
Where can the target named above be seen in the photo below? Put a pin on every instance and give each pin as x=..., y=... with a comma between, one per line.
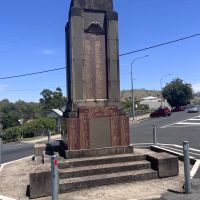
x=154, y=102
x=57, y=114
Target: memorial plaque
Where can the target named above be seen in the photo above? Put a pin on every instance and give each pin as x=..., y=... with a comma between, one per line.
x=95, y=66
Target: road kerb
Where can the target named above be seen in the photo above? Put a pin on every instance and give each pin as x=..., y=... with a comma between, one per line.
x=4, y=164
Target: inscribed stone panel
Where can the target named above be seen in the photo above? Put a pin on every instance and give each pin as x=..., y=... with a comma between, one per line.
x=95, y=66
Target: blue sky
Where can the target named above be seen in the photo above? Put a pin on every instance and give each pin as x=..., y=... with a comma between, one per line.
x=32, y=39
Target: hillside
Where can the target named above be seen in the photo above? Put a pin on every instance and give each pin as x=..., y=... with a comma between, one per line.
x=138, y=94
x=141, y=93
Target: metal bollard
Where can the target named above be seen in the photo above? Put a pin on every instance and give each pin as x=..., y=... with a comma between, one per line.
x=154, y=135
x=54, y=177
x=49, y=136
x=0, y=150
x=187, y=185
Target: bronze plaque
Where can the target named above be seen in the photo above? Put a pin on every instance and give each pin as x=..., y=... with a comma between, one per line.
x=95, y=66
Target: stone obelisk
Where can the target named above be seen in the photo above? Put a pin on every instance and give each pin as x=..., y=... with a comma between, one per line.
x=93, y=117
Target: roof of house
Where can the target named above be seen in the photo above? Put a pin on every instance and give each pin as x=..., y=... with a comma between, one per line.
x=55, y=113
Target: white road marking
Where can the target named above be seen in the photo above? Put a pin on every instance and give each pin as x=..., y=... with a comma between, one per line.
x=189, y=123
x=195, y=168
x=184, y=122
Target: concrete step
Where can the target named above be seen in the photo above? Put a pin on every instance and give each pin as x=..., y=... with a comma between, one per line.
x=79, y=162
x=83, y=153
x=67, y=185
x=103, y=169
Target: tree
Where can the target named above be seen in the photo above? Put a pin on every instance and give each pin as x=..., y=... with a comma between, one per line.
x=9, y=120
x=178, y=93
x=51, y=99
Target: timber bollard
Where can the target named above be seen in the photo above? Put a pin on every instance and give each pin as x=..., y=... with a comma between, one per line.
x=187, y=184
x=154, y=135
x=54, y=177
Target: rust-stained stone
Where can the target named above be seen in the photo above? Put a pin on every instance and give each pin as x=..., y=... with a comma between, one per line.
x=78, y=129
x=84, y=134
x=124, y=125
x=115, y=131
x=73, y=131
x=98, y=112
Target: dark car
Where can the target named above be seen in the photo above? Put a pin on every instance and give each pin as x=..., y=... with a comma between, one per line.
x=178, y=109
x=161, y=112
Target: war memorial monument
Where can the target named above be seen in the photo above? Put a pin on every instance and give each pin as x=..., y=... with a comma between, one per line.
x=93, y=118
x=96, y=130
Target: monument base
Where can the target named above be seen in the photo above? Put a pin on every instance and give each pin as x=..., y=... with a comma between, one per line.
x=96, y=127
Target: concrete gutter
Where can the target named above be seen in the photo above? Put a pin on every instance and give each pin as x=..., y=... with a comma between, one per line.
x=138, y=119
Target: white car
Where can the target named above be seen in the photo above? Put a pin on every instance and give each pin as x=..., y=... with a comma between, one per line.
x=193, y=109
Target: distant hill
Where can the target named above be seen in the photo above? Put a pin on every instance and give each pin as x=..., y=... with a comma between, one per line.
x=138, y=94
x=141, y=93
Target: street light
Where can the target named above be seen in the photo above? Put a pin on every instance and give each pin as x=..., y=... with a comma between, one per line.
x=161, y=79
x=133, y=101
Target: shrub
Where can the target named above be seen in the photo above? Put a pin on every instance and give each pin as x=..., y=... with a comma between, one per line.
x=12, y=134
x=30, y=129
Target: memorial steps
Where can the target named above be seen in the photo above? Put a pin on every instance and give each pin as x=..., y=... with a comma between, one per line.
x=80, y=173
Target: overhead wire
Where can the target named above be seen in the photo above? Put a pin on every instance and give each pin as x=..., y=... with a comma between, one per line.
x=124, y=54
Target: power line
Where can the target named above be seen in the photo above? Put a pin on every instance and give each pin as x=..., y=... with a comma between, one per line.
x=161, y=44
x=124, y=54
x=31, y=74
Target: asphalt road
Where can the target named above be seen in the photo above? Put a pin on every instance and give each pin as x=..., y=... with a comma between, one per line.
x=180, y=126
x=16, y=151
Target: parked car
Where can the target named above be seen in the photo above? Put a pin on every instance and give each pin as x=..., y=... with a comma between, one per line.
x=178, y=109
x=193, y=109
x=161, y=112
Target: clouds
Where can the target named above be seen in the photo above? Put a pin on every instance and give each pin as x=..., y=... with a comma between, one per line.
x=196, y=87
x=3, y=88
x=46, y=51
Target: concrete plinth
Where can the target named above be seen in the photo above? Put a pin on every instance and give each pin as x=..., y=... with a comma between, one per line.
x=165, y=164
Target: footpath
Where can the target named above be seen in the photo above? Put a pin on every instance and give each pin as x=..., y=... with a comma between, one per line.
x=15, y=178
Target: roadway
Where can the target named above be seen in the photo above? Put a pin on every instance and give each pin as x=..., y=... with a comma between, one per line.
x=180, y=126
x=15, y=151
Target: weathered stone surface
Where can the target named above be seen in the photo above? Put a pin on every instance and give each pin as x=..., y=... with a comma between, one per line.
x=40, y=181
x=97, y=127
x=99, y=132
x=165, y=164
x=98, y=152
x=39, y=148
x=105, y=5
x=93, y=115
x=37, y=160
x=89, y=112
